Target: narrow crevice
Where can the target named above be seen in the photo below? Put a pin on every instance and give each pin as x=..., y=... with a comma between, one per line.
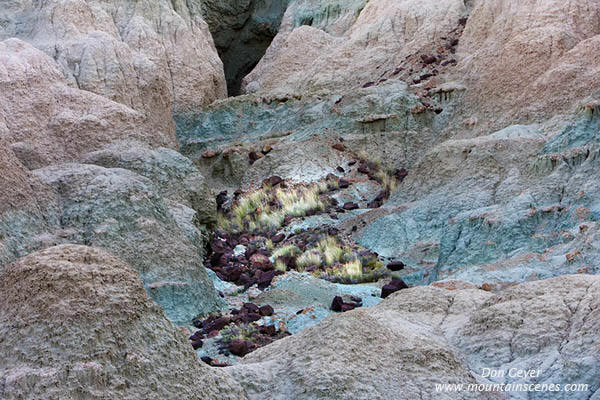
x=242, y=31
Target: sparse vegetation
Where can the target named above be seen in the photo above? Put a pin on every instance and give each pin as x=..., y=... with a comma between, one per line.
x=266, y=209
x=308, y=258
x=280, y=265
x=330, y=250
x=289, y=250
x=353, y=269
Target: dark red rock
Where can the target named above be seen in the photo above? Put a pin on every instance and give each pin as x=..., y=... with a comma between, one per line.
x=339, y=147
x=340, y=169
x=248, y=317
x=347, y=307
x=196, y=344
x=277, y=238
x=337, y=303
x=356, y=299
x=197, y=335
x=212, y=334
x=207, y=360
x=343, y=184
x=216, y=363
x=266, y=310
x=239, y=347
x=382, y=195
x=249, y=308
x=265, y=279
x=261, y=261
x=449, y=62
x=215, y=324
x=368, y=84
x=253, y=156
x=268, y=330
x=395, y=266
x=374, y=204
x=233, y=274
x=400, y=174
x=427, y=59
x=221, y=199
x=363, y=169
x=393, y=286
x=274, y=180
x=350, y=206
x=244, y=278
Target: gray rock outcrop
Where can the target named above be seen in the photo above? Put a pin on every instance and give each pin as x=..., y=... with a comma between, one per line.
x=75, y=322
x=122, y=211
x=424, y=336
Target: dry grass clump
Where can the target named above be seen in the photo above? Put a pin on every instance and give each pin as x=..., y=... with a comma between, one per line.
x=266, y=209
x=289, y=250
x=308, y=259
x=330, y=249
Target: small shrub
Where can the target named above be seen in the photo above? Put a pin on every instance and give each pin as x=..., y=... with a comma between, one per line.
x=352, y=269
x=330, y=249
x=308, y=258
x=280, y=265
x=285, y=251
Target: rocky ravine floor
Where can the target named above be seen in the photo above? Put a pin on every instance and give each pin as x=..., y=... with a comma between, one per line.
x=403, y=196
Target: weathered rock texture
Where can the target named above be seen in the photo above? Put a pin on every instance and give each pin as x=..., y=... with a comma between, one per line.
x=242, y=31
x=154, y=57
x=491, y=106
x=340, y=44
x=47, y=121
x=422, y=336
x=124, y=212
x=28, y=208
x=75, y=322
x=175, y=176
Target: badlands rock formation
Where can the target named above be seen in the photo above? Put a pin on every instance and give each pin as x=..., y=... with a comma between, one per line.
x=422, y=336
x=154, y=57
x=75, y=322
x=46, y=121
x=242, y=31
x=451, y=146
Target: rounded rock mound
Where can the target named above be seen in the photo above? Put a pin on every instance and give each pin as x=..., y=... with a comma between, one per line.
x=76, y=322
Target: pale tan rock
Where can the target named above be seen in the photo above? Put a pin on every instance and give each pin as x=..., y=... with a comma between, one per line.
x=528, y=60
x=425, y=335
x=350, y=51
x=50, y=121
x=152, y=56
x=75, y=322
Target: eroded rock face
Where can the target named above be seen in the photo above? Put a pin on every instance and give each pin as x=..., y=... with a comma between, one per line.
x=47, y=121
x=175, y=176
x=76, y=321
x=151, y=56
x=528, y=60
x=342, y=44
x=242, y=30
x=28, y=208
x=422, y=336
x=124, y=212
